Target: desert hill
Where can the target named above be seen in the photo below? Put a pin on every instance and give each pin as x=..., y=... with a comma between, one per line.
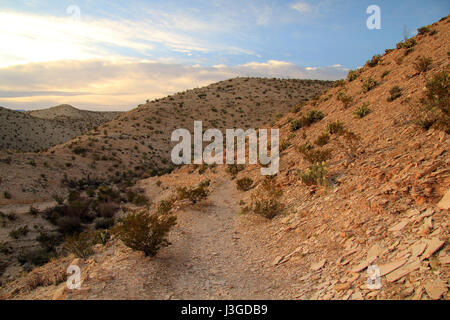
x=364, y=181
x=41, y=129
x=138, y=142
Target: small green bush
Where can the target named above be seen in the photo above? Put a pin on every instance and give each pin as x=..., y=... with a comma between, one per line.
x=19, y=232
x=244, y=184
x=435, y=109
x=422, y=64
x=145, y=232
x=35, y=257
x=362, y=111
x=376, y=60
x=368, y=84
x=193, y=194
x=104, y=223
x=323, y=139
x=395, y=93
x=314, y=175
x=346, y=100
x=80, y=244
x=336, y=127
x=352, y=75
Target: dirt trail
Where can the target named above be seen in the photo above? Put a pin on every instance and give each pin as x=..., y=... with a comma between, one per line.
x=214, y=259
x=212, y=256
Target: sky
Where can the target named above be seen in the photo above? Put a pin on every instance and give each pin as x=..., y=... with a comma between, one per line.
x=114, y=55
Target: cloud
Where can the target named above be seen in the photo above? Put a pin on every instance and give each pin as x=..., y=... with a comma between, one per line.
x=301, y=7
x=39, y=38
x=122, y=85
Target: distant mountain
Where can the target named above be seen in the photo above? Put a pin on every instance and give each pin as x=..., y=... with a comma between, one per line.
x=41, y=129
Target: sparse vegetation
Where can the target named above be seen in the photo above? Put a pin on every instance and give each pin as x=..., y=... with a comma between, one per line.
x=368, y=84
x=315, y=175
x=193, y=194
x=376, y=60
x=395, y=93
x=435, y=109
x=362, y=111
x=422, y=64
x=146, y=232
x=323, y=139
x=244, y=184
x=266, y=203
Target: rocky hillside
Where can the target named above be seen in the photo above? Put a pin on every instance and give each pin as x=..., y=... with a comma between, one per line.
x=138, y=142
x=42, y=129
x=364, y=183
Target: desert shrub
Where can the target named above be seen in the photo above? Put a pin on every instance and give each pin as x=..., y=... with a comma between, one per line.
x=422, y=64
x=376, y=60
x=336, y=127
x=193, y=194
x=346, y=100
x=306, y=120
x=352, y=75
x=314, y=175
x=19, y=232
x=435, y=109
x=73, y=195
x=108, y=194
x=141, y=200
x=368, y=84
x=426, y=30
x=267, y=208
x=384, y=74
x=164, y=206
x=316, y=155
x=107, y=210
x=295, y=125
x=312, y=117
x=395, y=93
x=266, y=202
x=145, y=232
x=69, y=224
x=205, y=183
x=244, y=184
x=362, y=111
x=323, y=139
x=6, y=248
x=80, y=244
x=49, y=241
x=33, y=211
x=297, y=108
x=234, y=169
x=7, y=195
x=284, y=145
x=35, y=257
x=104, y=223
x=81, y=208
x=58, y=199
x=79, y=150
x=407, y=44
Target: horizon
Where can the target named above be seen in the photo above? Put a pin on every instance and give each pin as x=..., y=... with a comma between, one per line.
x=114, y=56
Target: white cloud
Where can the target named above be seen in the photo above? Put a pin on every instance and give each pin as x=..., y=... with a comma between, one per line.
x=39, y=38
x=301, y=7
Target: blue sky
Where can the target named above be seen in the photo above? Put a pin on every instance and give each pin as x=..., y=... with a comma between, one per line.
x=119, y=52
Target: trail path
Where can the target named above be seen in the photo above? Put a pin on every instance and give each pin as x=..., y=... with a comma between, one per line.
x=211, y=257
